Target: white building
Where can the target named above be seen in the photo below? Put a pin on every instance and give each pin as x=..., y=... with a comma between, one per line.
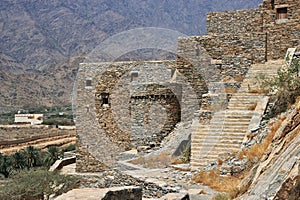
x=32, y=119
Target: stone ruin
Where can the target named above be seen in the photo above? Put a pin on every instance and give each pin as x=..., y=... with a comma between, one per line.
x=124, y=105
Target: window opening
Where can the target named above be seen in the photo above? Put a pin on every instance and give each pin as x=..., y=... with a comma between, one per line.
x=134, y=76
x=282, y=13
x=88, y=83
x=105, y=98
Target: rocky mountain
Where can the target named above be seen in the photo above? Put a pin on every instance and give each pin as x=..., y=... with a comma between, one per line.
x=38, y=37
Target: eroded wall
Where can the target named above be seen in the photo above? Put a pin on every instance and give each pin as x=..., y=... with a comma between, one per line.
x=125, y=105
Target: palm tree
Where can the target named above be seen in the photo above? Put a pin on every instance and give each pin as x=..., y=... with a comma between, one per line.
x=32, y=156
x=5, y=165
x=19, y=160
x=53, y=154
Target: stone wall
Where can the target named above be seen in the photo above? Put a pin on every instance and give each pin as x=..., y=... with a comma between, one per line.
x=155, y=110
x=113, y=101
x=228, y=54
x=234, y=22
x=281, y=37
x=281, y=33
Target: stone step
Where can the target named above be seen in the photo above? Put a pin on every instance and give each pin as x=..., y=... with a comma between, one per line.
x=229, y=118
x=224, y=129
x=251, y=97
x=226, y=125
x=197, y=165
x=231, y=123
x=244, y=102
x=216, y=146
x=245, y=94
x=216, y=143
x=199, y=142
x=234, y=116
x=214, y=151
x=224, y=136
x=237, y=137
x=230, y=135
x=242, y=107
x=204, y=161
x=245, y=97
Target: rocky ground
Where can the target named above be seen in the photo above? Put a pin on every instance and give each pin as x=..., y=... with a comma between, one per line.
x=156, y=183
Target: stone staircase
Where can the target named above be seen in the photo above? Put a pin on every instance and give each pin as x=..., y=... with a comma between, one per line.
x=227, y=129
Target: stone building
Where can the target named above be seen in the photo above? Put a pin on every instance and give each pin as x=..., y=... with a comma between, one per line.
x=124, y=105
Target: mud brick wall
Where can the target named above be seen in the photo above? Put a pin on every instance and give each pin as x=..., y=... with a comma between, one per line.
x=234, y=22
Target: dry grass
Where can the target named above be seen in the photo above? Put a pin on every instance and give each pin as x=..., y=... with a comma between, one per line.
x=252, y=107
x=209, y=107
x=217, y=182
x=221, y=197
x=256, y=151
x=226, y=79
x=258, y=91
x=239, y=78
x=202, y=192
x=227, y=184
x=251, y=136
x=153, y=161
x=220, y=161
x=177, y=161
x=230, y=90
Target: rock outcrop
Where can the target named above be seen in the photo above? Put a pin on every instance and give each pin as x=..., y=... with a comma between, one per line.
x=277, y=174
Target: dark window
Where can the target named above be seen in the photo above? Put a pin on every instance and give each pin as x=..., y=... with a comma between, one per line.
x=282, y=13
x=88, y=83
x=134, y=76
x=105, y=98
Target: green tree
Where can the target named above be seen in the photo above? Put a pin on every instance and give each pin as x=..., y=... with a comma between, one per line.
x=18, y=160
x=51, y=156
x=5, y=165
x=32, y=156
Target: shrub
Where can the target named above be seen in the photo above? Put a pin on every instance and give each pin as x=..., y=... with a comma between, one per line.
x=185, y=157
x=36, y=184
x=286, y=84
x=71, y=147
x=221, y=196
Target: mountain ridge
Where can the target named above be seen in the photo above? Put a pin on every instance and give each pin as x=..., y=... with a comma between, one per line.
x=39, y=36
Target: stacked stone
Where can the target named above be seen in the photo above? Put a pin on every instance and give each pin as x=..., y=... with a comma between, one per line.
x=237, y=21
